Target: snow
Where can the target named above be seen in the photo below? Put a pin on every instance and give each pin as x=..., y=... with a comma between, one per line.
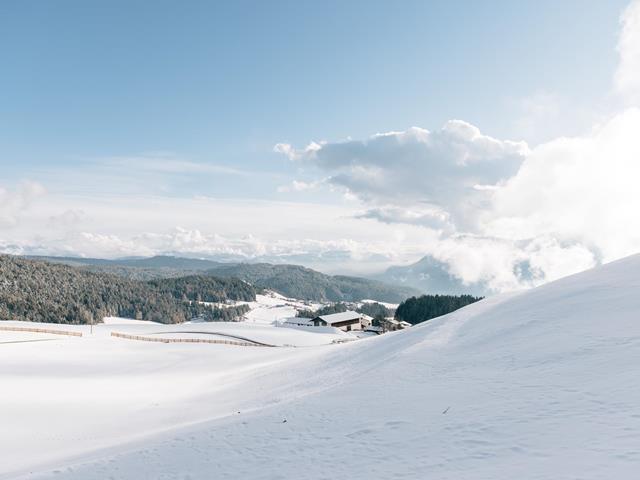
x=390, y=306
x=126, y=321
x=340, y=317
x=538, y=385
x=273, y=307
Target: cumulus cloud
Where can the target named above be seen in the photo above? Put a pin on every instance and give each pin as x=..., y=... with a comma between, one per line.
x=507, y=216
x=15, y=201
x=292, y=154
x=582, y=189
x=447, y=168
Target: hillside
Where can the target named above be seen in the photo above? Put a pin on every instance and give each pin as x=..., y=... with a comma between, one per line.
x=299, y=282
x=536, y=385
x=39, y=291
x=292, y=281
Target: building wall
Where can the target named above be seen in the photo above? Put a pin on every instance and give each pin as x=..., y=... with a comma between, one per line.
x=354, y=324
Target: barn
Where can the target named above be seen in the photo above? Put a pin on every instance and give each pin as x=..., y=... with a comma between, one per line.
x=346, y=321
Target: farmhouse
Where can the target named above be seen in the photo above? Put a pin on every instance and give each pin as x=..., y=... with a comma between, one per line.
x=346, y=321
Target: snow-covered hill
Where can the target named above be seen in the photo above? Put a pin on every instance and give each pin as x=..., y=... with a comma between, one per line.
x=537, y=385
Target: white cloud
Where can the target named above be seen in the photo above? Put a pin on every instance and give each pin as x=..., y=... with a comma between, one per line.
x=329, y=255
x=13, y=202
x=319, y=235
x=292, y=154
x=627, y=76
x=507, y=216
x=503, y=264
x=441, y=168
x=582, y=189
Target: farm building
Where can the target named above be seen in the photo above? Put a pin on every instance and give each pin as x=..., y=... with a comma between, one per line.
x=391, y=324
x=346, y=321
x=374, y=329
x=297, y=322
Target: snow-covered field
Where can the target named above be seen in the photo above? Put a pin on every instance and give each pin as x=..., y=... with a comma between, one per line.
x=273, y=307
x=537, y=385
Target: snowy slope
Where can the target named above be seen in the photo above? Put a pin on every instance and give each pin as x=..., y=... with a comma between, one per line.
x=272, y=307
x=537, y=385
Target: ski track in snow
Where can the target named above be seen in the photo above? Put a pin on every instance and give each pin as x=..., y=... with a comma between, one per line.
x=540, y=384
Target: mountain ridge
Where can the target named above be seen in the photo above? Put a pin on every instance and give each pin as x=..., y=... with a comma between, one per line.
x=293, y=281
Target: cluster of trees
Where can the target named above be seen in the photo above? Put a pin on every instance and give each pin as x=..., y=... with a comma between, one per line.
x=225, y=314
x=43, y=292
x=375, y=310
x=203, y=288
x=419, y=309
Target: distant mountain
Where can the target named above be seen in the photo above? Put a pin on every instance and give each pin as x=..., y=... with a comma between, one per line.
x=150, y=268
x=430, y=276
x=306, y=284
x=159, y=261
x=290, y=280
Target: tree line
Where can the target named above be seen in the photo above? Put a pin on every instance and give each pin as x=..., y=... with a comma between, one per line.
x=419, y=309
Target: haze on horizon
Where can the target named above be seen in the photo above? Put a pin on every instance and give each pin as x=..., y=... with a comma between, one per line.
x=344, y=136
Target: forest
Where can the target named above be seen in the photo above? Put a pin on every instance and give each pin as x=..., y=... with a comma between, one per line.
x=420, y=309
x=38, y=291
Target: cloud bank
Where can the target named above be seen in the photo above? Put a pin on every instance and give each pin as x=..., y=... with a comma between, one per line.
x=505, y=215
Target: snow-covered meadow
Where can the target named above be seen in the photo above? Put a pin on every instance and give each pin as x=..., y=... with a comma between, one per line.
x=538, y=385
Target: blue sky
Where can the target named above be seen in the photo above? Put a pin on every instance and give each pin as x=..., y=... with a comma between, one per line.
x=144, y=102
x=223, y=82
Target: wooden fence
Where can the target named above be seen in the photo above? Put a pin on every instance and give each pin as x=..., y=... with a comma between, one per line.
x=185, y=340
x=40, y=330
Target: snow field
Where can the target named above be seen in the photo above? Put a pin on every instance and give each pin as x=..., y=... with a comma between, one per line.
x=536, y=385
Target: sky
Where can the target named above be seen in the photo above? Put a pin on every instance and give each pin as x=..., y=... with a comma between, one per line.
x=496, y=137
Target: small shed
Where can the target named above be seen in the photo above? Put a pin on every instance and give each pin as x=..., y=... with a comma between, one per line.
x=391, y=324
x=297, y=322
